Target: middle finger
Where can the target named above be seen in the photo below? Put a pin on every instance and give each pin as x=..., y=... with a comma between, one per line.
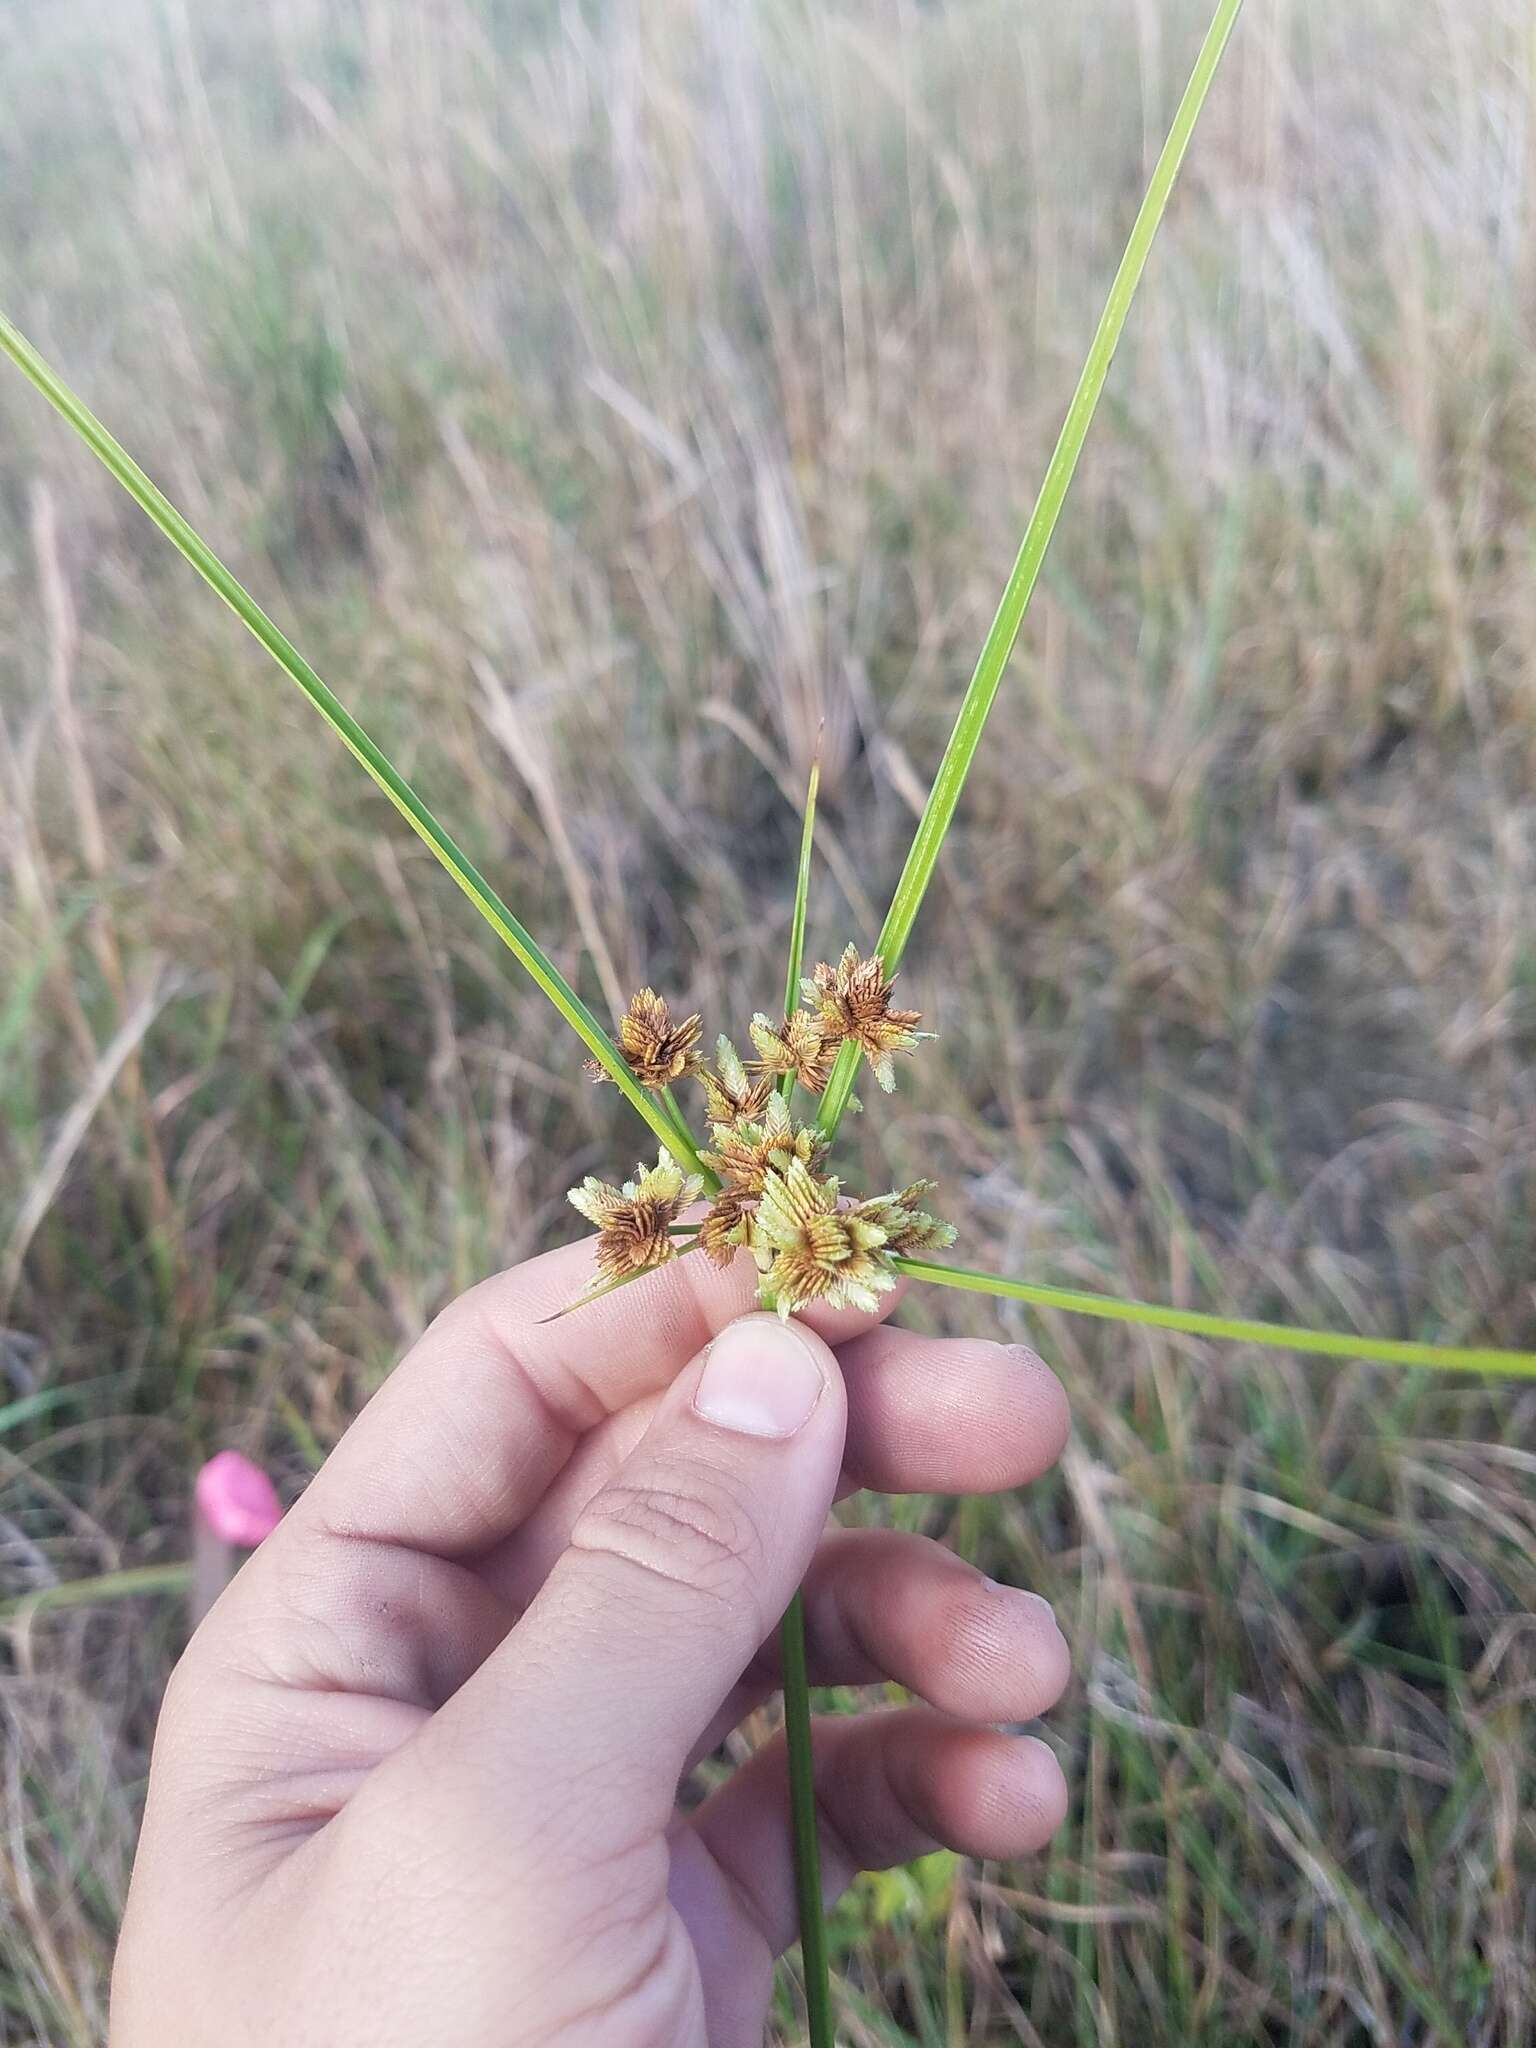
x=883, y=1606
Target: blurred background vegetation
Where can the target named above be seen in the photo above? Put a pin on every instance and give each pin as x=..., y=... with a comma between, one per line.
x=603, y=395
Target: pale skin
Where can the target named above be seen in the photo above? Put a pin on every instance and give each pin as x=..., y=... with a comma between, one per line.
x=416, y=1776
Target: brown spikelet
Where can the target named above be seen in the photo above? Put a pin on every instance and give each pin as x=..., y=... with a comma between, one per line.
x=731, y=1094
x=659, y=1051
x=745, y=1153
x=803, y=1045
x=810, y=1243
x=726, y=1228
x=853, y=1000
x=634, y=1221
x=907, y=1228
x=811, y=1250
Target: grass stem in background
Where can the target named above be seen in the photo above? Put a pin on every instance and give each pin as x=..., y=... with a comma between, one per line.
x=152, y=500
x=1233, y=1329
x=964, y=740
x=132, y=1584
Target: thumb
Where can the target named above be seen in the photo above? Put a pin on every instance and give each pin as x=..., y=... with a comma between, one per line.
x=677, y=1569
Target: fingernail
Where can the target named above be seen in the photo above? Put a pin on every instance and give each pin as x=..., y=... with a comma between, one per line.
x=759, y=1379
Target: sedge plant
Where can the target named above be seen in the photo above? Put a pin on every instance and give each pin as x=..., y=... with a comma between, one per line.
x=763, y=1168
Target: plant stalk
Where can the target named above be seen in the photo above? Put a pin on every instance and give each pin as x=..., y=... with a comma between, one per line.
x=802, y=900
x=182, y=536
x=804, y=1829
x=982, y=689
x=1234, y=1329
x=805, y=1838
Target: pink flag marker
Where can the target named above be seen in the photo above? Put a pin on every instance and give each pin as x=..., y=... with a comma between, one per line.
x=237, y=1500
x=235, y=1507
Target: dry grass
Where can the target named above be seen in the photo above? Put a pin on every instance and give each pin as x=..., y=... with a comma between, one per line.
x=676, y=376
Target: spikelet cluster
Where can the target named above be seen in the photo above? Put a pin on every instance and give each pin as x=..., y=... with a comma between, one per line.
x=776, y=1204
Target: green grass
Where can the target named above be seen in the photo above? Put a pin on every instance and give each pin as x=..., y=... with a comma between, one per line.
x=1230, y=947
x=975, y=707
x=529, y=955
x=1229, y=1329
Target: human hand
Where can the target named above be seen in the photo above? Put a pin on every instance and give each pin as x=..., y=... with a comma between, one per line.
x=415, y=1776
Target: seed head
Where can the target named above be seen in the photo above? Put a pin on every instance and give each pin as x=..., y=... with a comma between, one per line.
x=727, y=1227
x=633, y=1221
x=810, y=1250
x=809, y=1243
x=660, y=1051
x=746, y=1153
x=803, y=1045
x=907, y=1228
x=853, y=1000
x=731, y=1094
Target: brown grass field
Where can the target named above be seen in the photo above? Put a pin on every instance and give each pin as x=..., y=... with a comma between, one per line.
x=603, y=395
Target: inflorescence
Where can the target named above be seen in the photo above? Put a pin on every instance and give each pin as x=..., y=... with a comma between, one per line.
x=808, y=1240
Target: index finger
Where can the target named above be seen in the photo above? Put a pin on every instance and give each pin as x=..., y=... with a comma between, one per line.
x=463, y=1439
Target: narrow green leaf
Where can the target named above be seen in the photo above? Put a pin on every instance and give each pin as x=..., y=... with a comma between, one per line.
x=600, y=1290
x=802, y=899
x=27, y=1407
x=182, y=536
x=1233, y=1329
x=965, y=738
x=683, y=1141
x=30, y=979
x=126, y=1585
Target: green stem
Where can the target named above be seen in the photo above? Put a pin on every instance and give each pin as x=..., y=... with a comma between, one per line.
x=802, y=900
x=965, y=738
x=684, y=1138
x=182, y=536
x=804, y=1830
x=125, y=1585
x=602, y=1289
x=1234, y=1329
x=805, y=1840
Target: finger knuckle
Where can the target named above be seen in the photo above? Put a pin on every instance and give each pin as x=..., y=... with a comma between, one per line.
x=690, y=1528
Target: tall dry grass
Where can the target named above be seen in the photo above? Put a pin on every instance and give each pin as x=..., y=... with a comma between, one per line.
x=608, y=396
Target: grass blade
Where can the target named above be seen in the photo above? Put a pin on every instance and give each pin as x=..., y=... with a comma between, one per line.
x=1234, y=1329
x=132, y=1584
x=802, y=898
x=182, y=536
x=963, y=741
x=602, y=1289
